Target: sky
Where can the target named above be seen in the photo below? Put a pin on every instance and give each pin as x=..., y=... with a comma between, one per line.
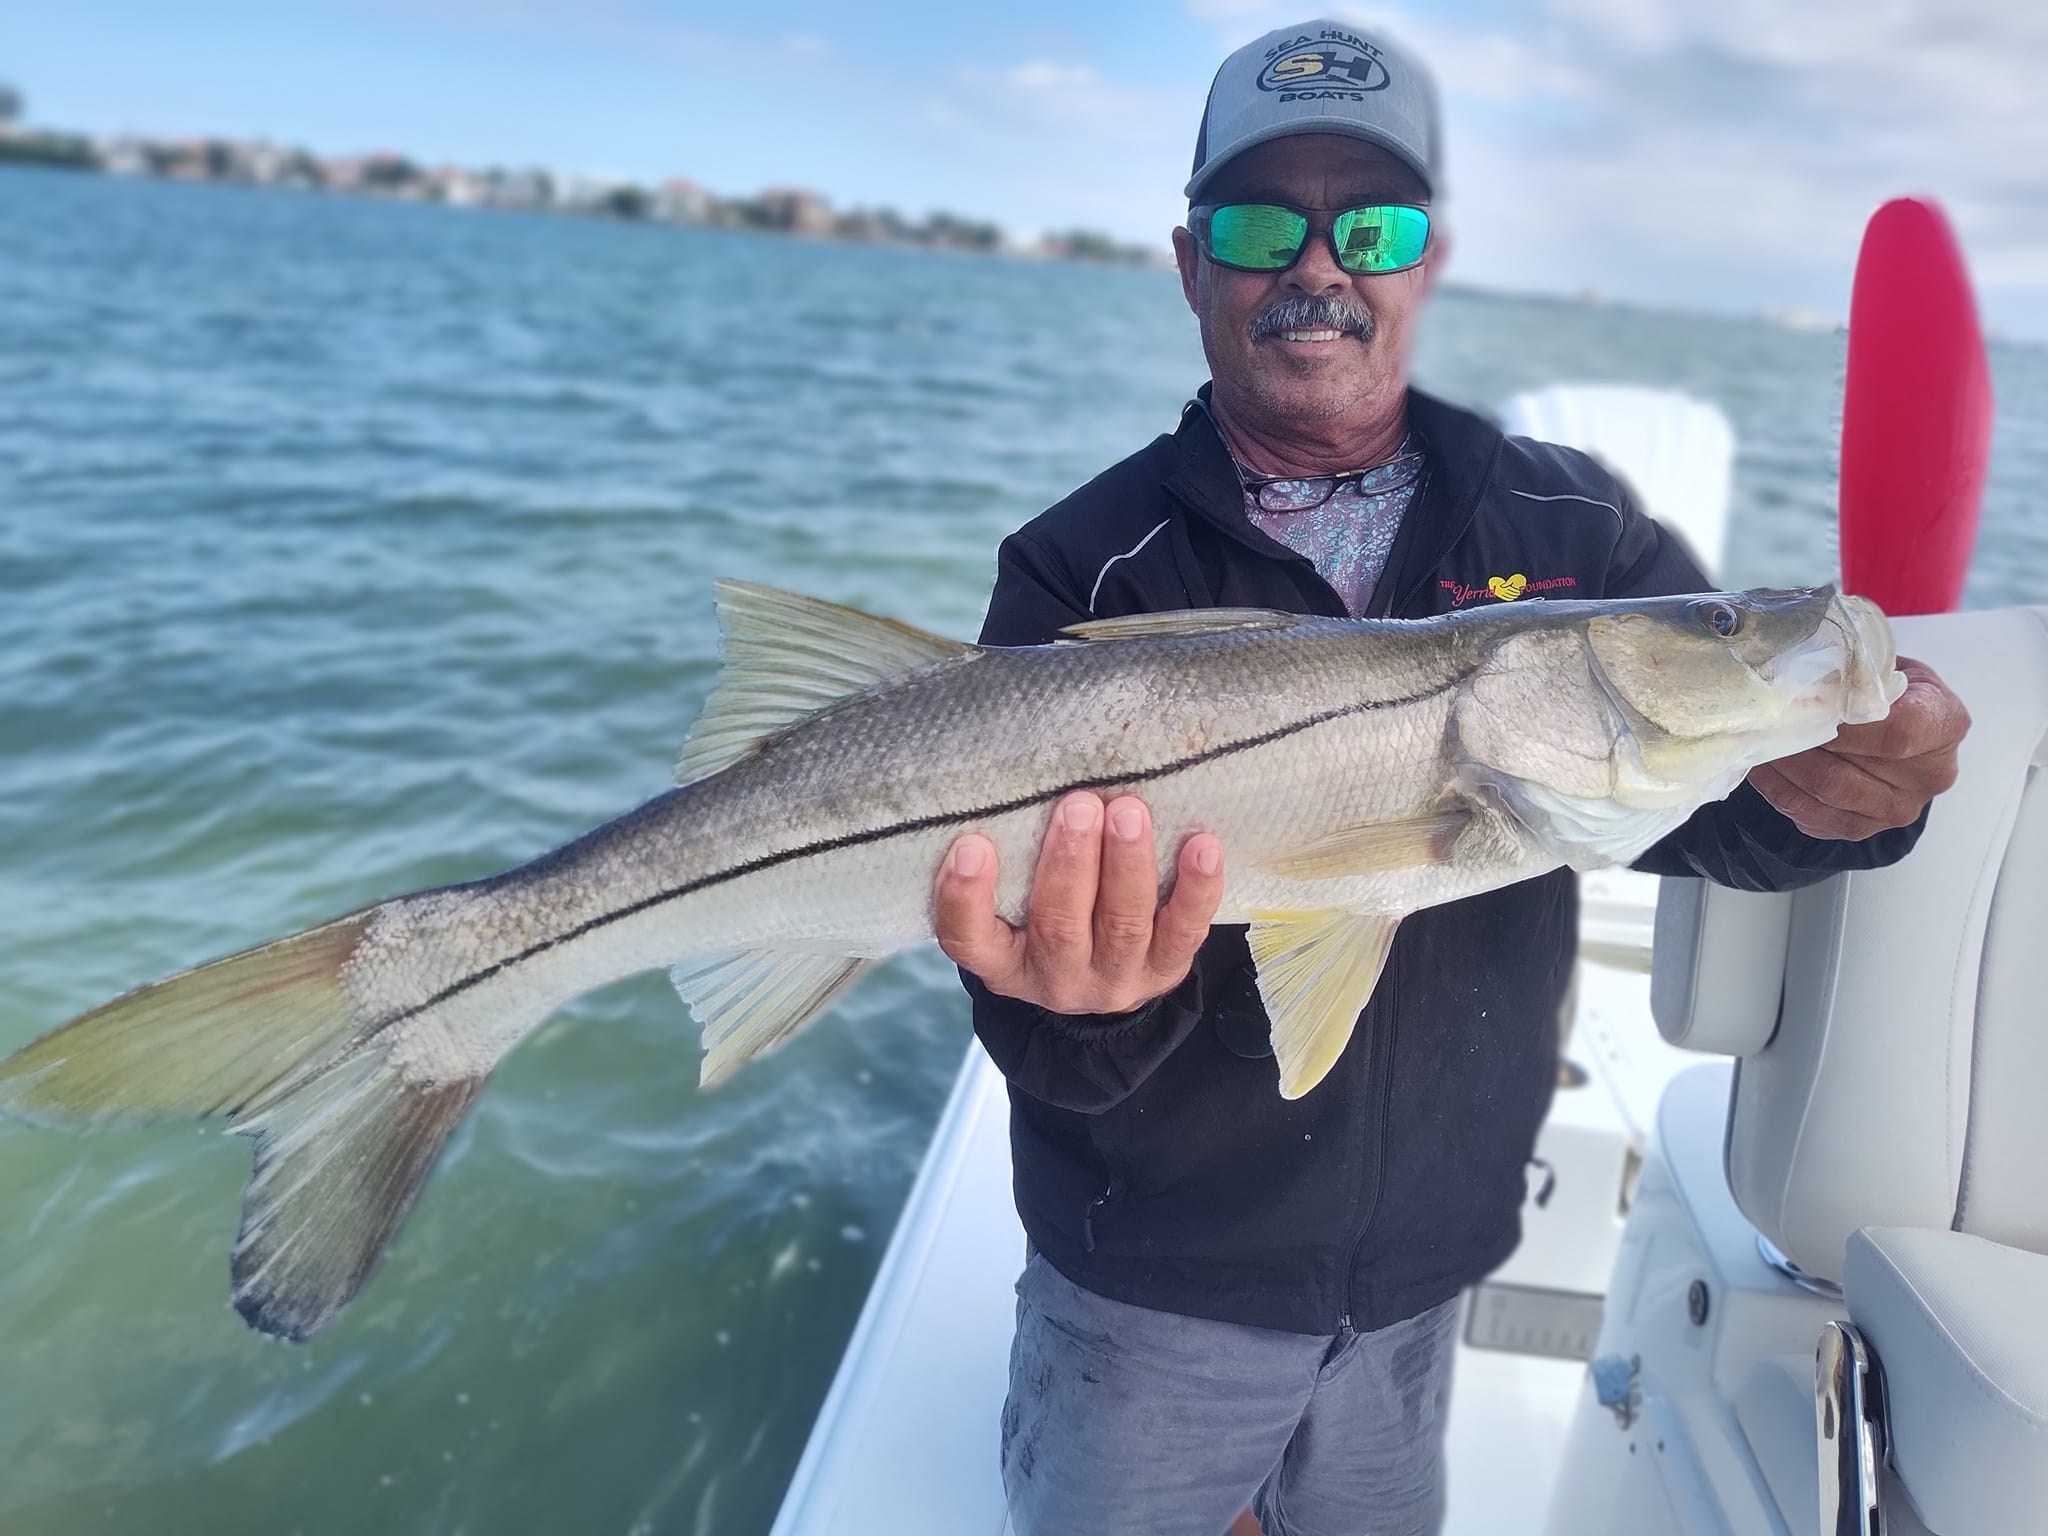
x=1704, y=154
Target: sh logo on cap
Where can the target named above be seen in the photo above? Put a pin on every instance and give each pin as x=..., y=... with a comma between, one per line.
x=1348, y=64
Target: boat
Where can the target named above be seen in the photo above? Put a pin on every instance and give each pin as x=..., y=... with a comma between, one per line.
x=1785, y=1240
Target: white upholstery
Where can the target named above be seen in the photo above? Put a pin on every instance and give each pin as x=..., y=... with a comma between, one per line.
x=1901, y=992
x=1956, y=1324
x=2004, y=1191
x=1717, y=974
x=1676, y=453
x=1901, y=1088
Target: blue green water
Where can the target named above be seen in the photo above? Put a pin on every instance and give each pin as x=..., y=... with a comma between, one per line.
x=347, y=548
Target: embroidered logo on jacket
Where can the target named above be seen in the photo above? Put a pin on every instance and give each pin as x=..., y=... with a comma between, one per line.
x=1505, y=588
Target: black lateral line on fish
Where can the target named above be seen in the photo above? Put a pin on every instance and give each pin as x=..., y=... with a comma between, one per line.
x=898, y=829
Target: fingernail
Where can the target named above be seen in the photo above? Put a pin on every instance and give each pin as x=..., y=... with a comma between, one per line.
x=967, y=858
x=1208, y=860
x=1080, y=812
x=1128, y=824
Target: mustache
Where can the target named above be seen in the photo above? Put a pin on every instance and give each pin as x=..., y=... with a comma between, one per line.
x=1314, y=312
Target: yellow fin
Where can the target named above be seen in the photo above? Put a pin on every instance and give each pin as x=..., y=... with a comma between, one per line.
x=788, y=656
x=1316, y=974
x=1182, y=623
x=1374, y=847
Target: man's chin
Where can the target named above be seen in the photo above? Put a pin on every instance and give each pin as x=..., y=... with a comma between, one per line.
x=1314, y=388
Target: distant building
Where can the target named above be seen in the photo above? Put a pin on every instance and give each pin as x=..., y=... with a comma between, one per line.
x=681, y=201
x=518, y=189
x=272, y=165
x=795, y=211
x=874, y=226
x=126, y=156
x=457, y=187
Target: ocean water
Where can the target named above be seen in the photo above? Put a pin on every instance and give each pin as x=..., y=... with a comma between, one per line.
x=348, y=548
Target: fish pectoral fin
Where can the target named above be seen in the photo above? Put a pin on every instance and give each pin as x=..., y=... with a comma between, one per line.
x=1316, y=974
x=339, y=1160
x=788, y=656
x=752, y=1001
x=1180, y=624
x=1374, y=847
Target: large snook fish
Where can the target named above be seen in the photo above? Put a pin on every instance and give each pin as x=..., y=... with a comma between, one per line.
x=1355, y=772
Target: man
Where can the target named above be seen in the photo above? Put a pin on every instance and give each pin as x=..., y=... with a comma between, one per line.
x=1232, y=1297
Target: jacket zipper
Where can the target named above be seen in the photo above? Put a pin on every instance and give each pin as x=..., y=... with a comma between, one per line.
x=1390, y=982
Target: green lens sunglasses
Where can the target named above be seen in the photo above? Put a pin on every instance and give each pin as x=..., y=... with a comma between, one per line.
x=1268, y=237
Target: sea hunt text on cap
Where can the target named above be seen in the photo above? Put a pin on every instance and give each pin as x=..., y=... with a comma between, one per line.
x=1333, y=65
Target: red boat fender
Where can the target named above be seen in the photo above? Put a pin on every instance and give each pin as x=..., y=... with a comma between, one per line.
x=1916, y=415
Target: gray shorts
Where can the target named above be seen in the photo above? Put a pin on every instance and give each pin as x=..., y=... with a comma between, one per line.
x=1131, y=1422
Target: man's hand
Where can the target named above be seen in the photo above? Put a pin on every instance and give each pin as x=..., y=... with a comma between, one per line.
x=1096, y=939
x=1876, y=776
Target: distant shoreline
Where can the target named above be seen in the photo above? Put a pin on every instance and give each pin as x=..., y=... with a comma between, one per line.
x=794, y=211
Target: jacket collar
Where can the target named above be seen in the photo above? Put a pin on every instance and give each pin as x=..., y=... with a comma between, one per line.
x=1461, y=448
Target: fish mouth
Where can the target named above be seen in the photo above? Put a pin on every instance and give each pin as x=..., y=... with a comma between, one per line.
x=1844, y=669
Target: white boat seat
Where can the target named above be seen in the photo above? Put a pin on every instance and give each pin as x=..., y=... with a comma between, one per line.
x=1894, y=1055
x=1887, y=1124
x=1956, y=1323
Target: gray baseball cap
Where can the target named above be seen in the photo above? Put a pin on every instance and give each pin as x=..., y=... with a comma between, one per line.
x=1320, y=77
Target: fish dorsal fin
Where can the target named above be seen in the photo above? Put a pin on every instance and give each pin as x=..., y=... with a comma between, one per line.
x=1182, y=624
x=1316, y=974
x=1374, y=848
x=752, y=1001
x=788, y=656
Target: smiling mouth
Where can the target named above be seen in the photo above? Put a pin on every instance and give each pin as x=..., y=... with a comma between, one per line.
x=1315, y=335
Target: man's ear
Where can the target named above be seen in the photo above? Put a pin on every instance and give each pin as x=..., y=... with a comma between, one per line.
x=1439, y=257
x=1189, y=260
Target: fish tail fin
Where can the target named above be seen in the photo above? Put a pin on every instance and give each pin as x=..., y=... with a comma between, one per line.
x=208, y=1041
x=345, y=1131
x=339, y=1161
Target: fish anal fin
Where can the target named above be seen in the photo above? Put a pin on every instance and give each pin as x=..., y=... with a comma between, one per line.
x=788, y=656
x=339, y=1161
x=1182, y=624
x=751, y=1002
x=1317, y=971
x=1374, y=847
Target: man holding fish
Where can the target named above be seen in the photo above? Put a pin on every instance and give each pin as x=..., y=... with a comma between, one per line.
x=1240, y=1297
x=1265, y=901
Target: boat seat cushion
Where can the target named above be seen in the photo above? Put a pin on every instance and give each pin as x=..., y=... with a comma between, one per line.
x=1956, y=1324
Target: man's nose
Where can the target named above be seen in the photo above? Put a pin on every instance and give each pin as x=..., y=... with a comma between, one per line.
x=1316, y=271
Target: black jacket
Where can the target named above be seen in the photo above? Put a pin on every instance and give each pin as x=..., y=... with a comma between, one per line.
x=1155, y=1161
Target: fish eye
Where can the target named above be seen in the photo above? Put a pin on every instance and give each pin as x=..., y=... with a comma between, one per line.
x=1723, y=619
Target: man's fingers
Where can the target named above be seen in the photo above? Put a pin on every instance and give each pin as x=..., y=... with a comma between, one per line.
x=1127, y=893
x=1810, y=815
x=964, y=915
x=1843, y=785
x=1926, y=719
x=1183, y=923
x=1061, y=923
